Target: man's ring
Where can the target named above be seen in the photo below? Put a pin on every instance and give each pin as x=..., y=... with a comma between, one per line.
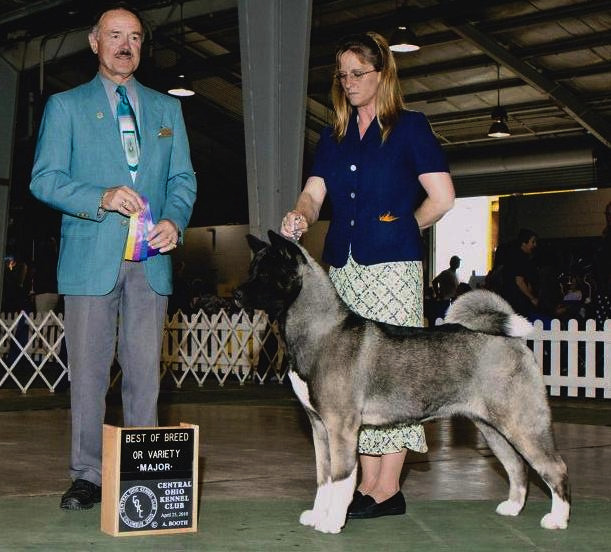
x=124, y=204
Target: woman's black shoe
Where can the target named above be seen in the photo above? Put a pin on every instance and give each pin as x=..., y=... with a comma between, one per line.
x=356, y=500
x=369, y=508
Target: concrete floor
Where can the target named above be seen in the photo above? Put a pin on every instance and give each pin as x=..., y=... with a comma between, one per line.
x=257, y=473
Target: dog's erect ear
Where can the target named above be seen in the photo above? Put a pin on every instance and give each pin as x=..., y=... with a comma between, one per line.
x=277, y=240
x=284, y=244
x=255, y=243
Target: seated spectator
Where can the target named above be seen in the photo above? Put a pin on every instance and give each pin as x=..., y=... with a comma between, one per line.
x=550, y=291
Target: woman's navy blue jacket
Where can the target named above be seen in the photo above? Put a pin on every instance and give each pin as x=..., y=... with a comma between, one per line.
x=374, y=189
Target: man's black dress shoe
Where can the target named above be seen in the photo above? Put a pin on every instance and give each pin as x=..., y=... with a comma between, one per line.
x=369, y=508
x=81, y=495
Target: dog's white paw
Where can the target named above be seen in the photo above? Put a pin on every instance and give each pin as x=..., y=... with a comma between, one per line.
x=308, y=517
x=549, y=521
x=328, y=525
x=509, y=508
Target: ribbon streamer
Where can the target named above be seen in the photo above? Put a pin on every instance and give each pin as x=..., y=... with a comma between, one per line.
x=140, y=224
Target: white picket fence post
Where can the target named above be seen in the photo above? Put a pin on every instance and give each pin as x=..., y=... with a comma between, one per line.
x=235, y=346
x=580, y=367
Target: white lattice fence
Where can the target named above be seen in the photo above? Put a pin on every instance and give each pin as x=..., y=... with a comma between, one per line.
x=197, y=346
x=30, y=348
x=221, y=345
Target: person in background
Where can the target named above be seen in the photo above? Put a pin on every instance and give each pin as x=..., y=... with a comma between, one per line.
x=602, y=267
x=520, y=288
x=14, y=292
x=387, y=178
x=103, y=149
x=446, y=282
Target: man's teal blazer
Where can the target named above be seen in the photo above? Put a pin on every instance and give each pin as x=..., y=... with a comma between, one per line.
x=79, y=155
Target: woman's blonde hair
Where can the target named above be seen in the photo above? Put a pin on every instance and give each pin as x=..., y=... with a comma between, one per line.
x=370, y=48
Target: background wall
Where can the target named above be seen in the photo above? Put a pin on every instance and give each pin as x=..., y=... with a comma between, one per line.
x=220, y=255
x=554, y=215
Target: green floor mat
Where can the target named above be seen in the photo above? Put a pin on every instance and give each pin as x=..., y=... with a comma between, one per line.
x=36, y=523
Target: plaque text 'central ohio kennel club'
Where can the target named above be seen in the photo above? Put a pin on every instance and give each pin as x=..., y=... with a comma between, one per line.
x=149, y=480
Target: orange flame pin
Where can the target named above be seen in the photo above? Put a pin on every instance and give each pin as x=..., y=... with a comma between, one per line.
x=387, y=217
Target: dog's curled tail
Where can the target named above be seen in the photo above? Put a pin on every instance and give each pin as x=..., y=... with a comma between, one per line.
x=484, y=311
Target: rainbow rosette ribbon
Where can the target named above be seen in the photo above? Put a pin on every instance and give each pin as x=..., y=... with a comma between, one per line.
x=140, y=224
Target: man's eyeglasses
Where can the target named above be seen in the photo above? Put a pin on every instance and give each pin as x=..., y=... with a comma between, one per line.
x=353, y=75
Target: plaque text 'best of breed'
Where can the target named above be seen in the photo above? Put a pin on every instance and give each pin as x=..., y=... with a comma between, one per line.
x=149, y=480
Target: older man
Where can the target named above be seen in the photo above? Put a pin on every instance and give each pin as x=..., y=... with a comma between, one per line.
x=107, y=150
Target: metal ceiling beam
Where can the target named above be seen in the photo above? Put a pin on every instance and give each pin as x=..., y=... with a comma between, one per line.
x=521, y=110
x=572, y=104
x=599, y=68
x=571, y=44
x=458, y=8
x=27, y=54
x=445, y=93
x=468, y=89
x=583, y=42
x=474, y=62
x=32, y=8
x=441, y=94
x=573, y=10
x=388, y=20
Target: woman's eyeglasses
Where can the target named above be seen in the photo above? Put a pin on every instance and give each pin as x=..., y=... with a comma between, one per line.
x=353, y=75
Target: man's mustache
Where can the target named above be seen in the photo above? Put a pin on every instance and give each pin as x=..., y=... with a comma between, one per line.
x=124, y=52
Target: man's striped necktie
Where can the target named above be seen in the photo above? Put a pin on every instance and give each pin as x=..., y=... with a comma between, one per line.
x=128, y=128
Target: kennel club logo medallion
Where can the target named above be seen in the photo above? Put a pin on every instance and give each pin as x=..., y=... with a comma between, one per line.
x=138, y=507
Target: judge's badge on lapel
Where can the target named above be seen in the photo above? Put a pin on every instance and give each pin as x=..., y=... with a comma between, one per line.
x=164, y=132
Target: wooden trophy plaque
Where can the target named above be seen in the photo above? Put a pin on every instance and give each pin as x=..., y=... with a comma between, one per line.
x=149, y=480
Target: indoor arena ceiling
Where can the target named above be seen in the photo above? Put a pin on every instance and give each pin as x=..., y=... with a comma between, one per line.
x=548, y=63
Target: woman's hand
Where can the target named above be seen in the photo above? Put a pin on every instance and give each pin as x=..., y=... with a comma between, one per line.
x=294, y=224
x=298, y=221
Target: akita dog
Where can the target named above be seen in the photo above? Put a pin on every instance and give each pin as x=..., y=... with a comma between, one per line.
x=349, y=371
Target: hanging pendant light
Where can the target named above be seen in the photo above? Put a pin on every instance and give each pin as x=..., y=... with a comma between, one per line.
x=403, y=38
x=181, y=86
x=499, y=128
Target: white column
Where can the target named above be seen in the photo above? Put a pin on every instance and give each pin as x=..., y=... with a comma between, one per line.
x=274, y=46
